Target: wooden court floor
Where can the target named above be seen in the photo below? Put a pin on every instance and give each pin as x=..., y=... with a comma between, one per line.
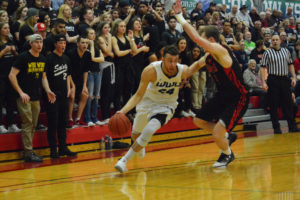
x=266, y=167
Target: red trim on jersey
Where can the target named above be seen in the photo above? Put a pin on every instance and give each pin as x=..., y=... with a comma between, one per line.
x=236, y=113
x=242, y=101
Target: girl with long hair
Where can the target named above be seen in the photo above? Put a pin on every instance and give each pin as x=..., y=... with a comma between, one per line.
x=103, y=39
x=93, y=81
x=185, y=95
x=20, y=16
x=65, y=13
x=26, y=29
x=8, y=54
x=123, y=47
x=142, y=50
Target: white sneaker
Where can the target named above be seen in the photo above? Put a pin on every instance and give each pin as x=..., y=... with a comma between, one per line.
x=98, y=123
x=142, y=153
x=121, y=166
x=13, y=129
x=101, y=123
x=91, y=124
x=3, y=129
x=191, y=113
x=184, y=114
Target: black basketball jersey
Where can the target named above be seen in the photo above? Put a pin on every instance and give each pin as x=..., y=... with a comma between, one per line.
x=229, y=80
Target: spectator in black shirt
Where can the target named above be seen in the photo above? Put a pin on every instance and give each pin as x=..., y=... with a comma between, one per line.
x=27, y=28
x=87, y=20
x=267, y=40
x=20, y=16
x=106, y=5
x=59, y=27
x=46, y=6
x=80, y=63
x=258, y=52
x=26, y=76
x=124, y=9
x=65, y=13
x=58, y=74
x=8, y=54
x=93, y=82
x=171, y=35
x=197, y=13
x=257, y=32
x=149, y=26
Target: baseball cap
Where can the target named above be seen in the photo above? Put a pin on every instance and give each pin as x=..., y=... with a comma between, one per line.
x=123, y=3
x=59, y=37
x=31, y=12
x=39, y=27
x=35, y=37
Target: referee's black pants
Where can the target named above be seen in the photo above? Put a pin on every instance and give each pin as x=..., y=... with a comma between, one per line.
x=280, y=94
x=57, y=120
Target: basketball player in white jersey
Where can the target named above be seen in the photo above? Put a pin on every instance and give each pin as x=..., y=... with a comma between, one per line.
x=155, y=100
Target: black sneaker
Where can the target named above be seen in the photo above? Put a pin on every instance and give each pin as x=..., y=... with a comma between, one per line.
x=277, y=131
x=33, y=158
x=66, y=152
x=41, y=127
x=53, y=153
x=224, y=160
x=232, y=136
x=294, y=130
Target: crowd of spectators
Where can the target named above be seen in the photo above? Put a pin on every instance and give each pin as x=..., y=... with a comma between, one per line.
x=109, y=42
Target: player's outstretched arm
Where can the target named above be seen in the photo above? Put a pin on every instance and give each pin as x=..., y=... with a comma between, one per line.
x=148, y=75
x=213, y=48
x=189, y=71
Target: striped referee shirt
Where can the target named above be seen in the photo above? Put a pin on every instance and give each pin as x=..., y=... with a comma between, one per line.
x=277, y=61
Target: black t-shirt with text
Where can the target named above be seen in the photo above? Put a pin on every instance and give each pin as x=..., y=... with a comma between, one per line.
x=31, y=72
x=57, y=71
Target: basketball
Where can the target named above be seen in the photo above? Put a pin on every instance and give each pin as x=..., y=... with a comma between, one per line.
x=119, y=124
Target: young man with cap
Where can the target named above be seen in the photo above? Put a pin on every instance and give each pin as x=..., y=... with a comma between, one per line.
x=59, y=27
x=58, y=74
x=30, y=69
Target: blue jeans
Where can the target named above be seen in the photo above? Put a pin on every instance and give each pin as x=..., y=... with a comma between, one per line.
x=91, y=108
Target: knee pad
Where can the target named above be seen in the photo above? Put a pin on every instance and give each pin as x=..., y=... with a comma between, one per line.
x=161, y=118
x=145, y=137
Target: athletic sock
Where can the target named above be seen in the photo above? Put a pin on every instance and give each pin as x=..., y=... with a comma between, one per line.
x=130, y=153
x=227, y=152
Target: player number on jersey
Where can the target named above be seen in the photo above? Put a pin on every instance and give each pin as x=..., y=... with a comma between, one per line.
x=165, y=91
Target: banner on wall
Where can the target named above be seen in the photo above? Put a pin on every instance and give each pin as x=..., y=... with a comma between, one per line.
x=273, y=4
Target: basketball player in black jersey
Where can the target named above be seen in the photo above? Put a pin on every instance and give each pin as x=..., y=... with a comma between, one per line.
x=231, y=101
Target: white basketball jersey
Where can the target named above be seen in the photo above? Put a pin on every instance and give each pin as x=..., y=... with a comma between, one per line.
x=165, y=89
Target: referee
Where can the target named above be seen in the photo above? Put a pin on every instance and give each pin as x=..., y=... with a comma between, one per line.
x=279, y=63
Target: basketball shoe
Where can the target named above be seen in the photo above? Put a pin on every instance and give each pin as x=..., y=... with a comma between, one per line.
x=121, y=166
x=224, y=160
